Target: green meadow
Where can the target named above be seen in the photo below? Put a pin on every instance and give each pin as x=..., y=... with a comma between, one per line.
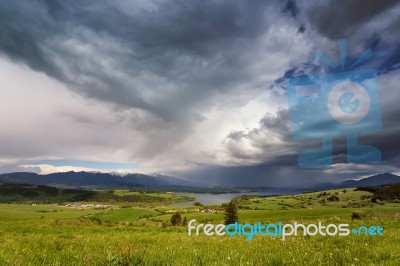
x=135, y=233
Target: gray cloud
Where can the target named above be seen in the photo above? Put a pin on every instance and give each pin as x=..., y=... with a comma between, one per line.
x=150, y=58
x=267, y=175
x=341, y=19
x=278, y=126
x=386, y=140
x=164, y=61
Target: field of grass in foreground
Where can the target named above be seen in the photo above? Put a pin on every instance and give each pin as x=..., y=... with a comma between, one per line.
x=56, y=235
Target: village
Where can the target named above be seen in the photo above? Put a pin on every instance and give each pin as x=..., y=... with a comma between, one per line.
x=87, y=205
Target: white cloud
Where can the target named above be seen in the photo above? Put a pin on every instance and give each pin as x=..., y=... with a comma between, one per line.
x=46, y=169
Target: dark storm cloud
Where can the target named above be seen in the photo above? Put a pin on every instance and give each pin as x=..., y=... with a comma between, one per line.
x=340, y=19
x=385, y=60
x=279, y=126
x=387, y=139
x=167, y=62
x=291, y=8
x=128, y=55
x=252, y=176
x=267, y=175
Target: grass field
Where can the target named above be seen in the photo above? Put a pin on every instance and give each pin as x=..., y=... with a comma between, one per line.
x=59, y=235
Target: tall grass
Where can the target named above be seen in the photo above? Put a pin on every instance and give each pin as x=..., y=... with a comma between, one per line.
x=81, y=242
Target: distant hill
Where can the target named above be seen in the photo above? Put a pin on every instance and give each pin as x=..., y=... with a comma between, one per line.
x=92, y=179
x=375, y=180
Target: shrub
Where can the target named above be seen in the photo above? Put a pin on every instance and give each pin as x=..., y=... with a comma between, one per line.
x=176, y=219
x=356, y=216
x=363, y=197
x=333, y=198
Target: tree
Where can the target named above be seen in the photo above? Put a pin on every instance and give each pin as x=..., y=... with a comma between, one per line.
x=176, y=219
x=231, y=215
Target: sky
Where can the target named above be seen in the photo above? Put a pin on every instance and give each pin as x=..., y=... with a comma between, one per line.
x=193, y=89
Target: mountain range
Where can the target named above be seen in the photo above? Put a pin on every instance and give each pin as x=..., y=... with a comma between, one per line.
x=93, y=179
x=136, y=180
x=375, y=180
